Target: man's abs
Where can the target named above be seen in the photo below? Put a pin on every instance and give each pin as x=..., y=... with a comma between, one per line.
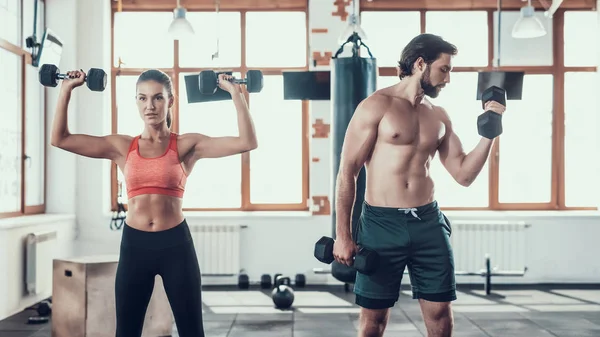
x=403, y=181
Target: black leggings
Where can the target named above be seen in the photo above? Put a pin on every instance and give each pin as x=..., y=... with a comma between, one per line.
x=170, y=254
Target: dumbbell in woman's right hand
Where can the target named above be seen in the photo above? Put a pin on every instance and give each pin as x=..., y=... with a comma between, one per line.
x=76, y=78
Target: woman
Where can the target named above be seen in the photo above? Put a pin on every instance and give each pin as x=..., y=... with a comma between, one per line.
x=156, y=239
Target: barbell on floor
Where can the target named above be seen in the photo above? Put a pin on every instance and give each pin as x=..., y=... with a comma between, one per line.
x=487, y=273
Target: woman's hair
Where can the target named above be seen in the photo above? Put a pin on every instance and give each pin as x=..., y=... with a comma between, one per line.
x=428, y=46
x=162, y=78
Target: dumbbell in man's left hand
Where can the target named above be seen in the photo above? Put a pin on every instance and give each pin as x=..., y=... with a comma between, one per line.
x=495, y=107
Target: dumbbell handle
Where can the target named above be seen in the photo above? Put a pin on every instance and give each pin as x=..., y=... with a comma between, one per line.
x=236, y=80
x=65, y=76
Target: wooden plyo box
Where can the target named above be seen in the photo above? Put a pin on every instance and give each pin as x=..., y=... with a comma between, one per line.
x=83, y=300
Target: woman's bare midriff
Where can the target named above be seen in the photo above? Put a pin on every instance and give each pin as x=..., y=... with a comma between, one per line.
x=154, y=212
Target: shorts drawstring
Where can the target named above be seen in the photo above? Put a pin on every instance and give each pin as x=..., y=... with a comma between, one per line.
x=412, y=211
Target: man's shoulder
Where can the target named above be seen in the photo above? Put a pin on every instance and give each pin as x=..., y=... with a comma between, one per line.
x=383, y=100
x=438, y=109
x=373, y=108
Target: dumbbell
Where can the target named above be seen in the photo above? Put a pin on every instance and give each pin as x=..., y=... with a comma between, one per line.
x=365, y=261
x=489, y=123
x=243, y=281
x=208, y=81
x=50, y=74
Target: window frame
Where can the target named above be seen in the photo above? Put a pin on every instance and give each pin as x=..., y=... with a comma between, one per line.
x=26, y=60
x=176, y=70
x=557, y=70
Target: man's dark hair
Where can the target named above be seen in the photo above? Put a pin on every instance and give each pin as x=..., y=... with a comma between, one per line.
x=428, y=46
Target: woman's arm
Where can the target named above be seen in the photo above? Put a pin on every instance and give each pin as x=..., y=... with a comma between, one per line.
x=216, y=147
x=106, y=147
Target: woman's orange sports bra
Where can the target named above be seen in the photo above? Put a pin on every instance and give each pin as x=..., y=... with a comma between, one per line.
x=157, y=175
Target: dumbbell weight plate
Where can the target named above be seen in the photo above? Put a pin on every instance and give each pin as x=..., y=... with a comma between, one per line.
x=366, y=261
x=96, y=79
x=489, y=124
x=495, y=94
x=265, y=281
x=207, y=82
x=243, y=281
x=324, y=250
x=254, y=80
x=47, y=75
x=300, y=281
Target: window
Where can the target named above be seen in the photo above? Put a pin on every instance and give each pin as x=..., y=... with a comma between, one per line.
x=22, y=132
x=538, y=161
x=135, y=32
x=10, y=137
x=262, y=32
x=221, y=177
x=524, y=53
x=199, y=51
x=581, y=139
x=378, y=26
x=35, y=144
x=281, y=182
x=248, y=181
x=470, y=36
x=10, y=21
x=526, y=144
x=386, y=81
x=581, y=38
x=463, y=108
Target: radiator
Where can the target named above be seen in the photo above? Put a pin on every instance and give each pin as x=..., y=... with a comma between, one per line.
x=218, y=249
x=40, y=250
x=503, y=241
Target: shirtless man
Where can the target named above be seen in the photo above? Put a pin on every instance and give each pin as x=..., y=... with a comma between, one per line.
x=396, y=132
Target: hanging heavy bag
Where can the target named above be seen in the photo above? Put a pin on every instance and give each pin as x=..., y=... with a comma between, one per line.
x=282, y=294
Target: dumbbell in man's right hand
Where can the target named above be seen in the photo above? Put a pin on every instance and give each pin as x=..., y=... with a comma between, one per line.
x=344, y=251
x=363, y=260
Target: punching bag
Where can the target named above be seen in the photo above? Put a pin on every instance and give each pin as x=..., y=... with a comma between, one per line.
x=352, y=80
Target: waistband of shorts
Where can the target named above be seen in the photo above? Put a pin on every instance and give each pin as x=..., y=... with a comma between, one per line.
x=396, y=211
x=177, y=235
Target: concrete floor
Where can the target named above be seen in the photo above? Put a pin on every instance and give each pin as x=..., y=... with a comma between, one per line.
x=328, y=311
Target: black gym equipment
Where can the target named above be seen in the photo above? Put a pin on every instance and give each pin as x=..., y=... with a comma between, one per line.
x=208, y=81
x=282, y=294
x=243, y=281
x=487, y=273
x=489, y=123
x=95, y=78
x=307, y=85
x=511, y=81
x=44, y=310
x=192, y=89
x=366, y=261
x=300, y=281
x=265, y=281
x=352, y=80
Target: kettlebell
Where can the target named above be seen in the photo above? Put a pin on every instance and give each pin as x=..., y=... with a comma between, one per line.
x=282, y=294
x=45, y=308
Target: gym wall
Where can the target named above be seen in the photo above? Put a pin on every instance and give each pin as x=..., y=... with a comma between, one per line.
x=561, y=248
x=14, y=230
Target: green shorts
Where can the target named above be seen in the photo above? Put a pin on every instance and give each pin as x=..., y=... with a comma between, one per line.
x=417, y=238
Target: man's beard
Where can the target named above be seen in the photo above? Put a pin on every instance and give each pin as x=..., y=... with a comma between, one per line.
x=428, y=88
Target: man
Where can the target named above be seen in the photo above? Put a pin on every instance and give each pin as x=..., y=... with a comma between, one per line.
x=396, y=132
